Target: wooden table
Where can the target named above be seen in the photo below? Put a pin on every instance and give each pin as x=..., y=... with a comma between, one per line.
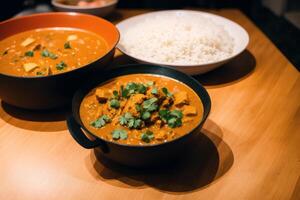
x=250, y=147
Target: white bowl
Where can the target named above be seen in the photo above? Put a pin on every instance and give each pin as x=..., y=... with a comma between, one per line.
x=235, y=31
x=100, y=11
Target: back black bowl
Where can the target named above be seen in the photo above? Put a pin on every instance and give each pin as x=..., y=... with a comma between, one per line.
x=136, y=156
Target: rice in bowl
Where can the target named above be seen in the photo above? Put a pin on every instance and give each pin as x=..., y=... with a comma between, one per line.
x=178, y=39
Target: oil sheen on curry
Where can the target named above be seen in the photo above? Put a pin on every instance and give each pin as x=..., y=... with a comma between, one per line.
x=141, y=109
x=46, y=51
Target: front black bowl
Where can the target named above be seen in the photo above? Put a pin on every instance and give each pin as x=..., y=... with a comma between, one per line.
x=136, y=156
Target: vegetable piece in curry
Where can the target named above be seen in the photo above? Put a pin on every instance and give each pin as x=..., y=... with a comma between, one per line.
x=141, y=109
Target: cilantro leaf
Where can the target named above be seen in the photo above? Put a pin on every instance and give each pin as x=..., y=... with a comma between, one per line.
x=116, y=94
x=147, y=136
x=154, y=91
x=146, y=115
x=119, y=134
x=67, y=45
x=46, y=53
x=101, y=121
x=166, y=92
x=150, y=83
x=61, y=66
x=176, y=113
x=150, y=104
x=29, y=53
x=114, y=103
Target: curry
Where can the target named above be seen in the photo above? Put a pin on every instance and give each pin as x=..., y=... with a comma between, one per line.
x=47, y=51
x=141, y=109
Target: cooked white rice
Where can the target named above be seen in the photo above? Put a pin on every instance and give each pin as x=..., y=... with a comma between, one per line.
x=178, y=40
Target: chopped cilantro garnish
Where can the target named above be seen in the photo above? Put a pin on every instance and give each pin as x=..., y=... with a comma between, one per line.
x=101, y=121
x=61, y=65
x=147, y=136
x=119, y=134
x=67, y=45
x=166, y=92
x=154, y=91
x=150, y=104
x=173, y=118
x=46, y=53
x=116, y=94
x=150, y=83
x=131, y=122
x=114, y=103
x=29, y=53
x=146, y=115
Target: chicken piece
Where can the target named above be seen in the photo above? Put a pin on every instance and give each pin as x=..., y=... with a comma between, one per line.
x=99, y=111
x=187, y=119
x=181, y=98
x=158, y=123
x=154, y=117
x=161, y=135
x=138, y=98
x=110, y=112
x=29, y=66
x=132, y=102
x=102, y=95
x=167, y=102
x=189, y=110
x=27, y=42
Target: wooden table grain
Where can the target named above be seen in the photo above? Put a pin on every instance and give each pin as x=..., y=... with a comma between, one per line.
x=249, y=149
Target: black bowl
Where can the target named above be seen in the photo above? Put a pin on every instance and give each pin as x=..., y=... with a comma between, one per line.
x=55, y=90
x=135, y=155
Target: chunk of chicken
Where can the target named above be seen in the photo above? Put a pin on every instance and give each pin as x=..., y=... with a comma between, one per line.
x=102, y=95
x=161, y=135
x=189, y=110
x=134, y=100
x=181, y=98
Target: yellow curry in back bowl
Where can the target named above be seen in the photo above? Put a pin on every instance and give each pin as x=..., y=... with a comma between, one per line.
x=46, y=51
x=141, y=109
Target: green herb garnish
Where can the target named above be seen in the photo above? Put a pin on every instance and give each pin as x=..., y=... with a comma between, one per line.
x=101, y=121
x=46, y=53
x=150, y=104
x=173, y=118
x=166, y=92
x=146, y=115
x=29, y=53
x=114, y=103
x=61, y=66
x=147, y=136
x=67, y=45
x=154, y=91
x=119, y=134
x=150, y=83
x=131, y=122
x=116, y=94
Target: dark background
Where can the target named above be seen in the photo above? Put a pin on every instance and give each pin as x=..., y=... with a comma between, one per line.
x=285, y=35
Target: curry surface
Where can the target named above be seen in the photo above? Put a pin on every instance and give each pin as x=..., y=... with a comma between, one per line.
x=91, y=109
x=42, y=52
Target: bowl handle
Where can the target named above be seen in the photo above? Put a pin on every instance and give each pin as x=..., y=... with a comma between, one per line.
x=81, y=138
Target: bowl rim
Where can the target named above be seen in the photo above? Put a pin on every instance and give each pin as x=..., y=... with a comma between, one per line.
x=61, y=5
x=88, y=86
x=120, y=48
x=63, y=14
